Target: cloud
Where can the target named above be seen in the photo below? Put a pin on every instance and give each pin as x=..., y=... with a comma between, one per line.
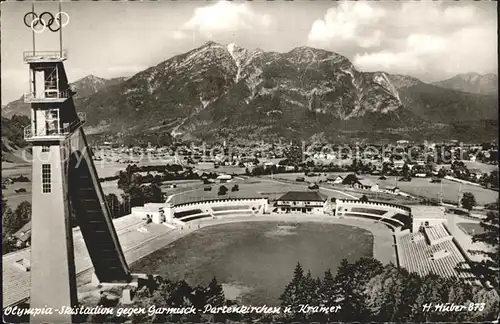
x=430, y=53
x=224, y=16
x=424, y=44
x=346, y=22
x=418, y=37
x=387, y=61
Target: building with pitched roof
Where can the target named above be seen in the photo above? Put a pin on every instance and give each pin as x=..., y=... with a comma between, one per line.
x=307, y=202
x=23, y=235
x=366, y=184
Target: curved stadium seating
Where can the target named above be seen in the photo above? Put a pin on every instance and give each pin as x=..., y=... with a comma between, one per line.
x=396, y=217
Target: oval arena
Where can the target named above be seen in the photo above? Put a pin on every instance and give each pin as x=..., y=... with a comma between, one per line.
x=422, y=239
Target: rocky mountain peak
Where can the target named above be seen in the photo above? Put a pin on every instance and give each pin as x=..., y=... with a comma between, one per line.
x=226, y=91
x=403, y=81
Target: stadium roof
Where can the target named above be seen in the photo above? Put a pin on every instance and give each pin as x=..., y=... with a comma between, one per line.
x=301, y=196
x=424, y=211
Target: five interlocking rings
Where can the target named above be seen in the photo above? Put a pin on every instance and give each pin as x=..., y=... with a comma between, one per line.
x=46, y=19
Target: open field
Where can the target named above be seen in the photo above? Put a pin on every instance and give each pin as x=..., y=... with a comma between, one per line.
x=104, y=169
x=257, y=259
x=481, y=166
x=417, y=187
x=221, y=169
x=253, y=188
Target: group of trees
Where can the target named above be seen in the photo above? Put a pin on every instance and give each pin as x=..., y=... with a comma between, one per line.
x=12, y=130
x=267, y=170
x=468, y=201
x=223, y=189
x=162, y=292
x=488, y=268
x=168, y=173
x=366, y=291
x=488, y=180
x=12, y=221
x=138, y=189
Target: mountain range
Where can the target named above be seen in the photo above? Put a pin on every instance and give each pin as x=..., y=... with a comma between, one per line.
x=228, y=92
x=83, y=88
x=471, y=82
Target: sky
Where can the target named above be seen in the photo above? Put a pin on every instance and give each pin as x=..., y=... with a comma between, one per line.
x=428, y=40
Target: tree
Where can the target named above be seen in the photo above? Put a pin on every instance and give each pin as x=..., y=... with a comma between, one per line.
x=235, y=188
x=363, y=198
x=222, y=190
x=23, y=211
x=310, y=290
x=10, y=222
x=153, y=194
x=349, y=282
x=488, y=268
x=327, y=294
x=293, y=295
x=490, y=180
x=468, y=201
x=214, y=294
x=391, y=293
x=432, y=291
x=385, y=169
x=113, y=205
x=136, y=195
x=406, y=171
x=4, y=203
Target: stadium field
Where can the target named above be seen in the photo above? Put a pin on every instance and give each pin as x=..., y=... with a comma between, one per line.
x=255, y=260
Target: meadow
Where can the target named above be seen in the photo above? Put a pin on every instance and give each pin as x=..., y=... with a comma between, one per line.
x=255, y=260
x=252, y=188
x=421, y=187
x=471, y=228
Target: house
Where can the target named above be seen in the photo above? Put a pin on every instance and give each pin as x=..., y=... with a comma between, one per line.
x=332, y=179
x=23, y=236
x=304, y=202
x=366, y=184
x=476, y=173
x=350, y=179
x=398, y=164
x=223, y=178
x=7, y=181
x=313, y=186
x=391, y=189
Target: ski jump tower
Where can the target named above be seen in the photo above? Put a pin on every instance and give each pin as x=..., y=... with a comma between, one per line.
x=64, y=183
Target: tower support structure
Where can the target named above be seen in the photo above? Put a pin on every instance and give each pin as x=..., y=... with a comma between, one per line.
x=65, y=190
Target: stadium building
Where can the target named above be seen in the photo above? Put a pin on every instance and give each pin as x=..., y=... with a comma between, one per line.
x=308, y=202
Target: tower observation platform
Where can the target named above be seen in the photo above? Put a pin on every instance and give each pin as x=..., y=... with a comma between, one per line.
x=53, y=117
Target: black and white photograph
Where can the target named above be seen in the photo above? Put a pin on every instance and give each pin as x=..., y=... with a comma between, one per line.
x=249, y=161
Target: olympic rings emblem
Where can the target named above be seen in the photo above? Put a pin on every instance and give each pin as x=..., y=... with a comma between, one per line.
x=46, y=20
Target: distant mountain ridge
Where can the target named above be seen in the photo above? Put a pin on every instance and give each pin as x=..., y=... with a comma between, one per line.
x=84, y=87
x=220, y=91
x=471, y=82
